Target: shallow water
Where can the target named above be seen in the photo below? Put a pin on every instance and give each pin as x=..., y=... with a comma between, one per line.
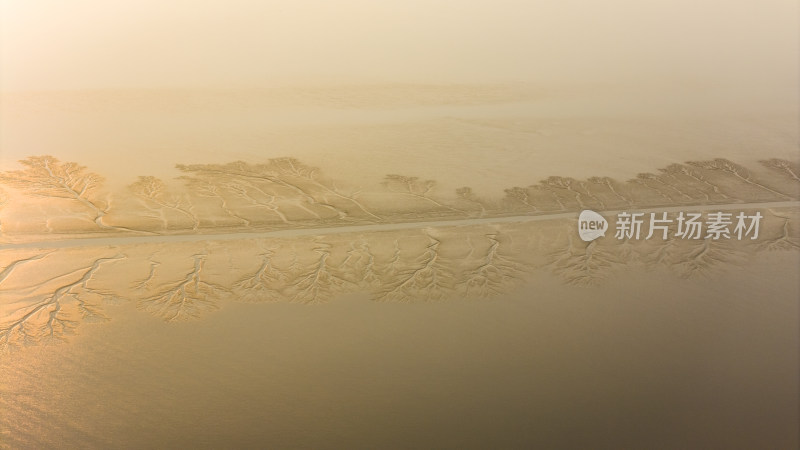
x=649, y=360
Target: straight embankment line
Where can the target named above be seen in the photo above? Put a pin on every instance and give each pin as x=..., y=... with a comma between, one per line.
x=130, y=240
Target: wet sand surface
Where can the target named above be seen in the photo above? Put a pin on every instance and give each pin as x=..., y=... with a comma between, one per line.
x=435, y=297
x=508, y=334
x=648, y=360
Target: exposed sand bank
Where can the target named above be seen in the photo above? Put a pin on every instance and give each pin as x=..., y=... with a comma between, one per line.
x=50, y=199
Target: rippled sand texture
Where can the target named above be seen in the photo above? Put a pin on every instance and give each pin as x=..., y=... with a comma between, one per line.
x=160, y=290
x=51, y=199
x=675, y=345
x=48, y=292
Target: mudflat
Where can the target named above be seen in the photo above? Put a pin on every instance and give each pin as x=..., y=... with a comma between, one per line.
x=327, y=298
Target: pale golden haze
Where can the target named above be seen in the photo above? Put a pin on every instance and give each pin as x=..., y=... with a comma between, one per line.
x=394, y=83
x=49, y=44
x=413, y=169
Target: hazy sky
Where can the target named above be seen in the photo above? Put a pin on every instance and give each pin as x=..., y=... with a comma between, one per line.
x=53, y=44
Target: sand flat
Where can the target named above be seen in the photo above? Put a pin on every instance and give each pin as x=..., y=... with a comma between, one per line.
x=427, y=286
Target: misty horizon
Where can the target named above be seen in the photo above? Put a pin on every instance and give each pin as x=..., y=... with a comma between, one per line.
x=95, y=44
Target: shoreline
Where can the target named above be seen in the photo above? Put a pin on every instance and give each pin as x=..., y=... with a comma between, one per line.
x=127, y=240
